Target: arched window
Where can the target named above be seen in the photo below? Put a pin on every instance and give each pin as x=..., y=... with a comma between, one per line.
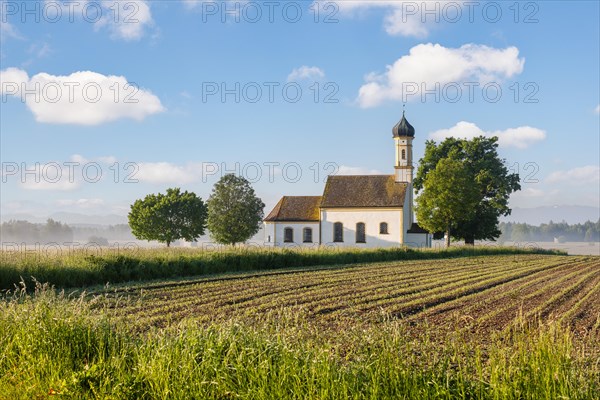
x=361, y=237
x=288, y=235
x=403, y=154
x=307, y=235
x=383, y=228
x=338, y=232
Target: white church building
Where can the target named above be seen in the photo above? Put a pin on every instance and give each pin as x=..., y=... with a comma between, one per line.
x=354, y=211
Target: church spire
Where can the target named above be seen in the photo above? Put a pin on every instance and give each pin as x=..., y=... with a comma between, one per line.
x=404, y=134
x=403, y=128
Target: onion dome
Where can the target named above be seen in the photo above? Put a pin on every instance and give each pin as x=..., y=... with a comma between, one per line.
x=403, y=128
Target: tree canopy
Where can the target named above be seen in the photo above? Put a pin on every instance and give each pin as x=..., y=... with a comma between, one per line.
x=235, y=212
x=168, y=217
x=448, y=196
x=486, y=172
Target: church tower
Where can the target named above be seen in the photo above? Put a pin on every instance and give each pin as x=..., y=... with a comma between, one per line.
x=404, y=133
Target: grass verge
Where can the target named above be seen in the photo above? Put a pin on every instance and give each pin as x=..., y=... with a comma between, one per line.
x=80, y=268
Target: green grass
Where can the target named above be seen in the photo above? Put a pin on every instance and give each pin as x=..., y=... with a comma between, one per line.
x=78, y=268
x=53, y=345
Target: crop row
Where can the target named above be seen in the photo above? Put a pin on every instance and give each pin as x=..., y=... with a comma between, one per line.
x=308, y=292
x=489, y=288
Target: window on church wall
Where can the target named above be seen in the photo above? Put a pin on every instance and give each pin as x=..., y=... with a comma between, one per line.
x=403, y=154
x=288, y=235
x=307, y=235
x=383, y=228
x=361, y=236
x=338, y=232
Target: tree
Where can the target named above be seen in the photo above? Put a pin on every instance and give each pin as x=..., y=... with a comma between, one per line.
x=234, y=212
x=486, y=171
x=168, y=217
x=448, y=196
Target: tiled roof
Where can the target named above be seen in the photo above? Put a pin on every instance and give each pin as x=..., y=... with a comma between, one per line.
x=296, y=208
x=363, y=191
x=415, y=228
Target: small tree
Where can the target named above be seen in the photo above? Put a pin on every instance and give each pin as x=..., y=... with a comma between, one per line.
x=448, y=196
x=234, y=211
x=168, y=217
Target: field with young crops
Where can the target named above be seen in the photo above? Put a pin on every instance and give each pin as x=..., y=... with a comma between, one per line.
x=511, y=326
x=484, y=293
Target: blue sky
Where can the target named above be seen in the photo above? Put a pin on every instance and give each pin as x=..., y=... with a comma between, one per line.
x=331, y=85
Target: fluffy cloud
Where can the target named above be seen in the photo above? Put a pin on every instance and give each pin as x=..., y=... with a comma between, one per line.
x=404, y=18
x=428, y=65
x=521, y=137
x=587, y=175
x=82, y=98
x=306, y=73
x=168, y=173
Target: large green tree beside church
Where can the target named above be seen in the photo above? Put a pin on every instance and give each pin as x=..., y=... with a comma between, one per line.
x=486, y=172
x=448, y=196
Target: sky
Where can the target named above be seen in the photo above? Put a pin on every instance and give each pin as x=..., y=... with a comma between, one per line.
x=104, y=102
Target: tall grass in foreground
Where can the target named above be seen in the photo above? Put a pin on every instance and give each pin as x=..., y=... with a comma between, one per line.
x=76, y=268
x=55, y=346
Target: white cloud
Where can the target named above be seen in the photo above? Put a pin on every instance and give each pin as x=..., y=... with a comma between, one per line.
x=306, y=73
x=404, y=18
x=78, y=158
x=430, y=65
x=49, y=176
x=12, y=80
x=40, y=50
x=81, y=203
x=108, y=159
x=348, y=170
x=126, y=19
x=521, y=137
x=587, y=175
x=7, y=30
x=191, y=4
x=82, y=98
x=168, y=173
x=597, y=110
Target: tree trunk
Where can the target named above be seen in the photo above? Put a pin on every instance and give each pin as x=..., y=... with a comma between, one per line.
x=448, y=237
x=470, y=240
x=168, y=243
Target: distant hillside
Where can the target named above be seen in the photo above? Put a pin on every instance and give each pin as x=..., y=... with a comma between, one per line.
x=70, y=218
x=545, y=214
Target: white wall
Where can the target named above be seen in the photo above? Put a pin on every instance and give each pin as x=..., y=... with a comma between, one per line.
x=371, y=218
x=269, y=233
x=276, y=231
